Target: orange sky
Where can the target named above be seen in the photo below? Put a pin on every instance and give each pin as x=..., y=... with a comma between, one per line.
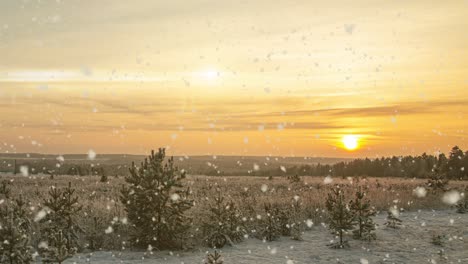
x=234, y=78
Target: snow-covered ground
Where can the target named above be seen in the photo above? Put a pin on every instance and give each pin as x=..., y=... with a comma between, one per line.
x=409, y=244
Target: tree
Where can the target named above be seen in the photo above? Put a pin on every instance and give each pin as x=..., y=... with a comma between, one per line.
x=340, y=216
x=155, y=202
x=223, y=224
x=270, y=227
x=214, y=258
x=392, y=218
x=58, y=225
x=102, y=174
x=363, y=213
x=462, y=205
x=60, y=251
x=455, y=163
x=15, y=229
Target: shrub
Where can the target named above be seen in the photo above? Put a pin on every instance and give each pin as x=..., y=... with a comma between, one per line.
x=341, y=218
x=155, y=203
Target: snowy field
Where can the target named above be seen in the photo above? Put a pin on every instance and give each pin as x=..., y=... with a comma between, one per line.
x=411, y=243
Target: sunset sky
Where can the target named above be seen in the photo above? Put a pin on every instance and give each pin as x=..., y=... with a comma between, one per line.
x=233, y=77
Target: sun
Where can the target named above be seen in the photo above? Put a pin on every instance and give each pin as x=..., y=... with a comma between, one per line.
x=209, y=74
x=350, y=142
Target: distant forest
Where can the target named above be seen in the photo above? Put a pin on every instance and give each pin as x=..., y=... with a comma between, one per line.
x=453, y=166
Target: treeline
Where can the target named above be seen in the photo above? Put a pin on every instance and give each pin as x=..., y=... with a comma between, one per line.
x=455, y=166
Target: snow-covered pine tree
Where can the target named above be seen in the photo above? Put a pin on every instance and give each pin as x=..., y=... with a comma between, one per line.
x=392, y=219
x=155, y=202
x=437, y=181
x=15, y=229
x=62, y=207
x=341, y=218
x=363, y=213
x=214, y=258
x=223, y=224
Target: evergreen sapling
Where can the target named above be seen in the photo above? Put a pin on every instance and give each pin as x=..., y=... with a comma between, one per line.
x=340, y=216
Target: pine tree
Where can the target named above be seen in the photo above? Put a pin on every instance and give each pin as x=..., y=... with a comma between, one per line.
x=294, y=179
x=15, y=229
x=63, y=208
x=155, y=202
x=462, y=205
x=214, y=258
x=363, y=213
x=392, y=219
x=223, y=224
x=437, y=181
x=5, y=190
x=269, y=227
x=103, y=175
x=340, y=216
x=59, y=251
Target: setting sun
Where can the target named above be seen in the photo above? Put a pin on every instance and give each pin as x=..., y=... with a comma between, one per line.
x=350, y=142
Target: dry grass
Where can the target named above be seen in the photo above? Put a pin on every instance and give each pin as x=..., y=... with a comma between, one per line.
x=101, y=200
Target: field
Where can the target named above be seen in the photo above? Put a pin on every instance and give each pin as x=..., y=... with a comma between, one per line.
x=422, y=217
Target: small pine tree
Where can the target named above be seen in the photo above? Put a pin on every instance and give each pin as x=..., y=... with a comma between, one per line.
x=462, y=205
x=437, y=182
x=155, y=203
x=294, y=179
x=63, y=208
x=214, y=258
x=59, y=251
x=363, y=213
x=5, y=190
x=94, y=233
x=223, y=224
x=270, y=227
x=340, y=216
x=15, y=232
x=51, y=174
x=392, y=219
x=103, y=175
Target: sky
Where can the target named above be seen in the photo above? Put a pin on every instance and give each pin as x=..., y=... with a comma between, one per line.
x=288, y=78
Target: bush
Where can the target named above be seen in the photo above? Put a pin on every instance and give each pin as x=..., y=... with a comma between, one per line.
x=155, y=203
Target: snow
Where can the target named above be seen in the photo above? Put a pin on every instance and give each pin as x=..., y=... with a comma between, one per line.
x=408, y=244
x=451, y=197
